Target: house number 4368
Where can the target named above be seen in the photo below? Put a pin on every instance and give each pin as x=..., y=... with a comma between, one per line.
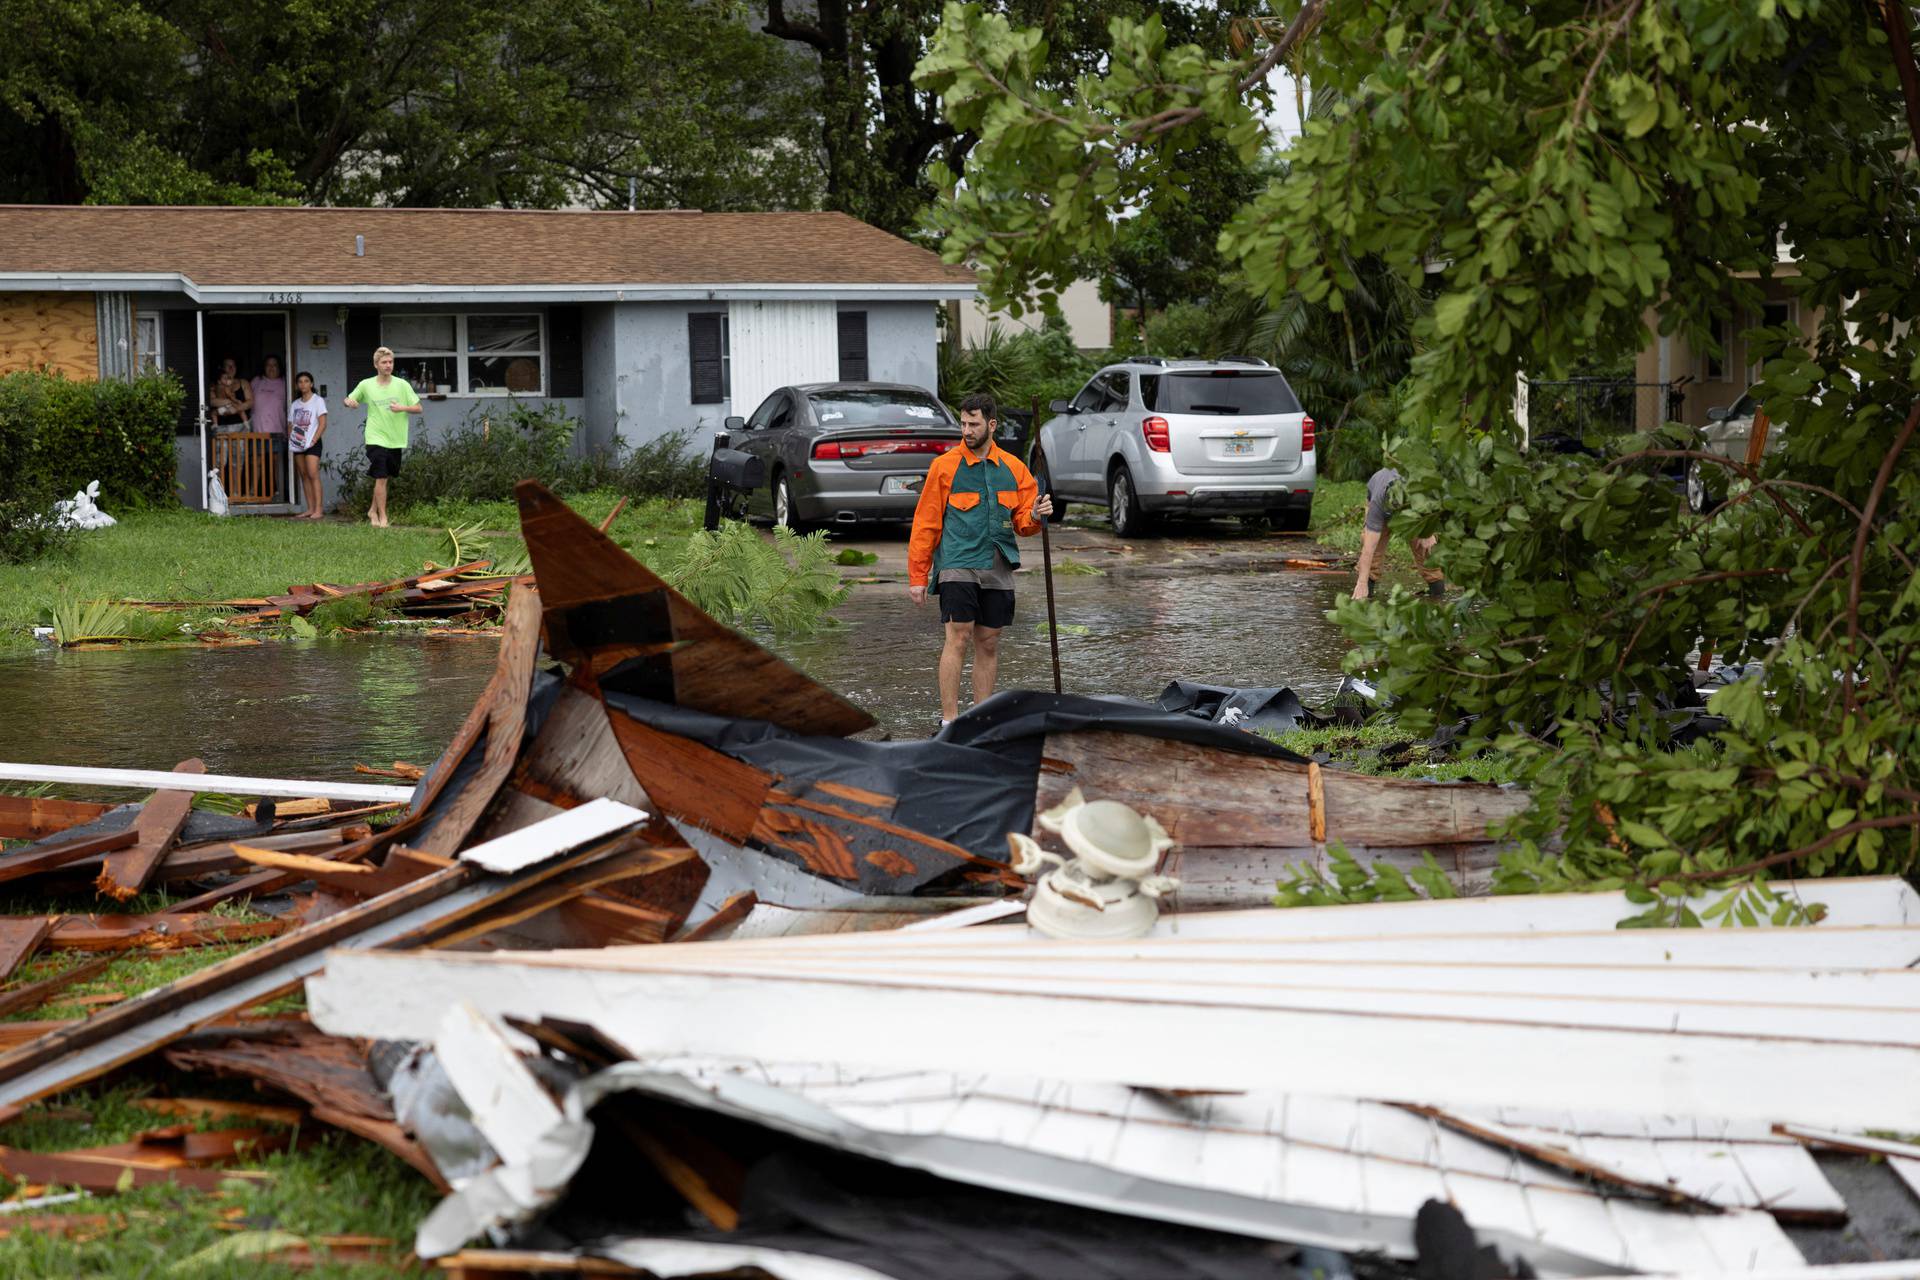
x=290, y=299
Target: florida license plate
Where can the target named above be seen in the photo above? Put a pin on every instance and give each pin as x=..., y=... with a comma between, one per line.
x=902, y=484
x=1236, y=448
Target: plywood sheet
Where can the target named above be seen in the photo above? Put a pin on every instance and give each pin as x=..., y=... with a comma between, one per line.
x=49, y=330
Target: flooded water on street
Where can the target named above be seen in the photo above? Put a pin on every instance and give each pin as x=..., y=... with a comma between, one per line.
x=296, y=709
x=312, y=709
x=1236, y=628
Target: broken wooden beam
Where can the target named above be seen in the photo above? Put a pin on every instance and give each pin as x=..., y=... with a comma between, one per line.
x=159, y=931
x=104, y=1175
x=33, y=862
x=35, y=994
x=406, y=916
x=36, y=817
x=157, y=825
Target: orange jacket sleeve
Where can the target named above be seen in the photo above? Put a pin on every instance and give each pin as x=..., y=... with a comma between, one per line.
x=929, y=520
x=1023, y=522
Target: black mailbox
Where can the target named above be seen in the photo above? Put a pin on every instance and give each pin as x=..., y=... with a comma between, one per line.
x=734, y=469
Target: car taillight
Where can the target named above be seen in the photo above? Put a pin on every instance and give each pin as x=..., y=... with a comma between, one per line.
x=1155, y=430
x=1306, y=435
x=844, y=449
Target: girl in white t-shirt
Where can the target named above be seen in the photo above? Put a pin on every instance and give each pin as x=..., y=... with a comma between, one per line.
x=307, y=420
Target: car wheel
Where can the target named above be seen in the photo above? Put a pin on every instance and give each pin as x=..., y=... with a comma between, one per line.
x=1700, y=499
x=1291, y=519
x=1123, y=505
x=784, y=514
x=1043, y=478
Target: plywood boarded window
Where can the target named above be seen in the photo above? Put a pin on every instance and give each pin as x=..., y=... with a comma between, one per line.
x=853, y=346
x=54, y=331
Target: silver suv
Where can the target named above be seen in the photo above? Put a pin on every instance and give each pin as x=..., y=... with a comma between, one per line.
x=1151, y=437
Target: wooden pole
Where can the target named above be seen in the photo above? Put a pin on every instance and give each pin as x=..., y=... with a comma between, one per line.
x=1053, y=625
x=1046, y=547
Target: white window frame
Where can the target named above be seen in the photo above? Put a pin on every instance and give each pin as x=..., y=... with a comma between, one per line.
x=147, y=340
x=460, y=355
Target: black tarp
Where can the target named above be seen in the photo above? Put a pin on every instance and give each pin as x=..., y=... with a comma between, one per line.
x=970, y=785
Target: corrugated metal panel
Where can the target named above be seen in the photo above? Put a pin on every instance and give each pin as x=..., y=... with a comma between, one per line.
x=1339, y=1172
x=775, y=344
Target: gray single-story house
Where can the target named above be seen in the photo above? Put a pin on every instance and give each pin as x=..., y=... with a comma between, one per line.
x=636, y=323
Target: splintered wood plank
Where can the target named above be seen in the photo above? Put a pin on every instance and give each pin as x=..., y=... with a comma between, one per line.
x=104, y=1175
x=31, y=862
x=127, y=872
x=20, y=937
x=690, y=781
x=329, y=1074
x=592, y=920
x=1208, y=797
x=600, y=600
x=161, y=931
x=33, y=817
x=506, y=712
x=35, y=994
x=297, y=861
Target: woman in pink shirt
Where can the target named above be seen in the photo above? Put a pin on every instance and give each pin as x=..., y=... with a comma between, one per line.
x=270, y=416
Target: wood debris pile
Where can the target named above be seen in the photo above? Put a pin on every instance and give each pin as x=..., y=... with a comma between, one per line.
x=658, y=972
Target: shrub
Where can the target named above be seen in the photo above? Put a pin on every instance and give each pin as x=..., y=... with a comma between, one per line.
x=788, y=585
x=119, y=433
x=57, y=434
x=1016, y=368
x=1185, y=329
x=483, y=458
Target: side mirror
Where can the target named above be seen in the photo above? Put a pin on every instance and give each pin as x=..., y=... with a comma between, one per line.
x=735, y=424
x=1061, y=406
x=1717, y=414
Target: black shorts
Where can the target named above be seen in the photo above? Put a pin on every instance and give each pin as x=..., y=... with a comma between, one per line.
x=383, y=463
x=315, y=450
x=971, y=602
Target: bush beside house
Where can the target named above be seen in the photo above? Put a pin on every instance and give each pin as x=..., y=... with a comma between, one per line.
x=483, y=458
x=58, y=434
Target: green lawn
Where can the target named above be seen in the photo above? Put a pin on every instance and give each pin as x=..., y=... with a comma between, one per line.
x=185, y=555
x=329, y=1183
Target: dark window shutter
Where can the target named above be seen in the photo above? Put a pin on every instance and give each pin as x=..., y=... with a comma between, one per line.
x=703, y=357
x=363, y=339
x=566, y=376
x=180, y=350
x=853, y=346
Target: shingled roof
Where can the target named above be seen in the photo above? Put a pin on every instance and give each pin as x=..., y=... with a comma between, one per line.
x=223, y=250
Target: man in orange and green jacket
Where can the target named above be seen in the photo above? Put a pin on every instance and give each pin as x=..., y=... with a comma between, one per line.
x=977, y=500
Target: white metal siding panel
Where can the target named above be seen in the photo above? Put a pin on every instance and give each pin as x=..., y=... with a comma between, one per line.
x=775, y=344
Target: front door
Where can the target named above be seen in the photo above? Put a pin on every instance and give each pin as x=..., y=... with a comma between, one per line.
x=255, y=466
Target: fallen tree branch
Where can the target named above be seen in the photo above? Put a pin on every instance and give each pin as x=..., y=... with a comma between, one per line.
x=1858, y=572
x=1792, y=855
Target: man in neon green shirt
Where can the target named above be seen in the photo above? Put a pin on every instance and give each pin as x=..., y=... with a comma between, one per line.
x=388, y=401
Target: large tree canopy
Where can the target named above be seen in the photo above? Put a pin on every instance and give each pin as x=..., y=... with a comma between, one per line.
x=407, y=102
x=1567, y=170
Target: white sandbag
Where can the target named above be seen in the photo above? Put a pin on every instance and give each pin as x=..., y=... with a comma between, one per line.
x=216, y=495
x=82, y=510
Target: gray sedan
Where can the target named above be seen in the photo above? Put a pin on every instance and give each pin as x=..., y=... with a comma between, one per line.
x=844, y=452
